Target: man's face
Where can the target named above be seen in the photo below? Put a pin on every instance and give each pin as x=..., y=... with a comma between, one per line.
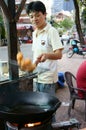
x=38, y=19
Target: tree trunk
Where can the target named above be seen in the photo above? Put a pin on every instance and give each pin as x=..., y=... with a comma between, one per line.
x=77, y=22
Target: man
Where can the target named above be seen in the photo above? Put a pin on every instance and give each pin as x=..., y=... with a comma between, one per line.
x=47, y=48
x=81, y=78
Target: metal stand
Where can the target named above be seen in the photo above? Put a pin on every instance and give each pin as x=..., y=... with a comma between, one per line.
x=66, y=125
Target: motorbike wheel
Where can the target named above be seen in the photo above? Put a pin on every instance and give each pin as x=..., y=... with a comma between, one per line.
x=70, y=53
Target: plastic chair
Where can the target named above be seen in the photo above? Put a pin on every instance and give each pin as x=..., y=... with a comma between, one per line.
x=71, y=82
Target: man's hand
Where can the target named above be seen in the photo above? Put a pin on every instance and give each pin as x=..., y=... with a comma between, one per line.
x=41, y=58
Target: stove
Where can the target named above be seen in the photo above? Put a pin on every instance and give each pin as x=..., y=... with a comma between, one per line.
x=29, y=126
x=48, y=125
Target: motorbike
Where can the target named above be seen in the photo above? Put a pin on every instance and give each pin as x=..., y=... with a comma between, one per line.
x=76, y=48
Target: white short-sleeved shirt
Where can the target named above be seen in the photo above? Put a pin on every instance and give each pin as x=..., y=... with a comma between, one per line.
x=46, y=41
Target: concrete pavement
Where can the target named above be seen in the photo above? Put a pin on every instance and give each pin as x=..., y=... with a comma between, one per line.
x=70, y=64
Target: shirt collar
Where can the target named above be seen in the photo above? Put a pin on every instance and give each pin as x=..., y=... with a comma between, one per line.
x=46, y=28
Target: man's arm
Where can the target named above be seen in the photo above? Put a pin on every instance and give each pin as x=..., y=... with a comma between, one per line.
x=57, y=54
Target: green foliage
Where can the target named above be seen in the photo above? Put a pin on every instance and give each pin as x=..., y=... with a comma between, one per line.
x=67, y=23
x=84, y=16
x=1, y=19
x=83, y=2
x=56, y=25
x=63, y=26
x=2, y=28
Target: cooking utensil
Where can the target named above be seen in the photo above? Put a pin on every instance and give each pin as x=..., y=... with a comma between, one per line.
x=24, y=107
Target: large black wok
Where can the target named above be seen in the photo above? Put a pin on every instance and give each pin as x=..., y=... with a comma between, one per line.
x=24, y=107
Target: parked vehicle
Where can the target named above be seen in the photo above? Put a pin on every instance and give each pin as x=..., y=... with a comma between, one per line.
x=24, y=33
x=76, y=48
x=65, y=39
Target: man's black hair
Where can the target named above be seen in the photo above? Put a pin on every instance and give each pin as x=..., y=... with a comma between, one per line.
x=36, y=6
